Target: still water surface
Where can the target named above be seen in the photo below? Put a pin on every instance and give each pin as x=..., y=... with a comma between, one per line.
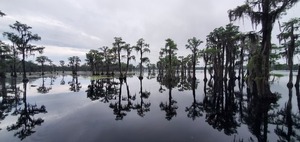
x=70, y=109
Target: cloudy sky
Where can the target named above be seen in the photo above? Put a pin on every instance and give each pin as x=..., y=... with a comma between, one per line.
x=69, y=27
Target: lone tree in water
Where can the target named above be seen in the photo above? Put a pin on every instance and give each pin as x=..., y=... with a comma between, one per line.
x=142, y=47
x=42, y=60
x=264, y=12
x=289, y=35
x=22, y=40
x=193, y=44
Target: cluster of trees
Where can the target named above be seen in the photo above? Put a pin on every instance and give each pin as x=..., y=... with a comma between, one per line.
x=107, y=57
x=226, y=49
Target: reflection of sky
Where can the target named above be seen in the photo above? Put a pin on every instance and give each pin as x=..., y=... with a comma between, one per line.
x=74, y=117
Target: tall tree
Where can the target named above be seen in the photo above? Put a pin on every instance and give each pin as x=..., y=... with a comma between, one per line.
x=129, y=57
x=142, y=47
x=22, y=40
x=118, y=46
x=105, y=52
x=264, y=12
x=42, y=60
x=193, y=44
x=289, y=35
x=169, y=50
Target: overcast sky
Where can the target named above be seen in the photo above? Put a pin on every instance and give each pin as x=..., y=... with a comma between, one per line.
x=69, y=27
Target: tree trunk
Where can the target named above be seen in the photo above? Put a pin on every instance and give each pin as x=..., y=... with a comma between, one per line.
x=23, y=66
x=194, y=66
x=291, y=49
x=298, y=77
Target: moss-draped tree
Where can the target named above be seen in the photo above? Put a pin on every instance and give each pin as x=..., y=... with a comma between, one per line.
x=265, y=13
x=21, y=39
x=289, y=36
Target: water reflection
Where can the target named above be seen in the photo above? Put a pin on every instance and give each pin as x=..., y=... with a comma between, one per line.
x=118, y=108
x=23, y=110
x=103, y=89
x=63, y=82
x=227, y=109
x=169, y=107
x=10, y=98
x=75, y=86
x=43, y=89
x=221, y=107
x=142, y=107
x=287, y=122
x=196, y=109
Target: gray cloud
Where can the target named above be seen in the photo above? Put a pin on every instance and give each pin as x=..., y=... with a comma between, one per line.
x=90, y=24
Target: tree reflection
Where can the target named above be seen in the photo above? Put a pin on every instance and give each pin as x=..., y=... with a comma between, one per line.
x=63, y=82
x=75, y=86
x=102, y=89
x=287, y=122
x=169, y=107
x=10, y=97
x=257, y=115
x=142, y=107
x=43, y=89
x=26, y=121
x=220, y=106
x=196, y=109
x=119, y=109
x=129, y=98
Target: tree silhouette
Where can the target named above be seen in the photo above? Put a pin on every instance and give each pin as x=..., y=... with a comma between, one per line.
x=129, y=57
x=142, y=47
x=42, y=60
x=118, y=46
x=193, y=44
x=21, y=39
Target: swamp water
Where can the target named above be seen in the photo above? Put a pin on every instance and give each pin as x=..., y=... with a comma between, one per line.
x=83, y=108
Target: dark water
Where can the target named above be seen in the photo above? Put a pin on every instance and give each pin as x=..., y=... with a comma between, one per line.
x=64, y=108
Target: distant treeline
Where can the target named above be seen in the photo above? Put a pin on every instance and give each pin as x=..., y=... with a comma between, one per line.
x=33, y=67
